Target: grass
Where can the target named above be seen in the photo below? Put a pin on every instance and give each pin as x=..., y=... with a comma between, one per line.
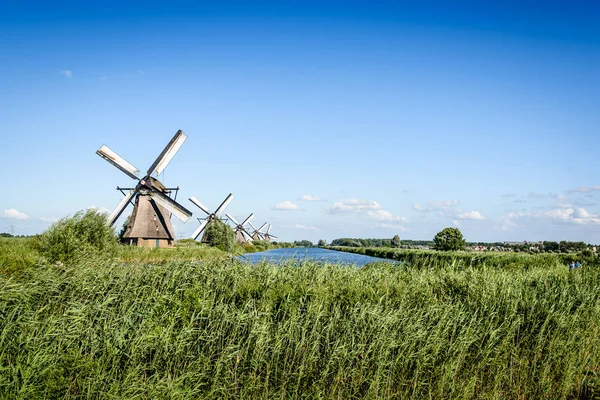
x=98, y=328
x=442, y=259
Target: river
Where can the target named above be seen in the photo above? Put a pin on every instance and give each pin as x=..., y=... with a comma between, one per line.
x=310, y=254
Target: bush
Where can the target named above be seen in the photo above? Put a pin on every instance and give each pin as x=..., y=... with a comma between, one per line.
x=82, y=235
x=220, y=235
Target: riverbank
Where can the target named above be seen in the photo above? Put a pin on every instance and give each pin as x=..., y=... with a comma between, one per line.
x=466, y=259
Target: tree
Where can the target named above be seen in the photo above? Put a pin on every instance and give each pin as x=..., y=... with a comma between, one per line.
x=322, y=242
x=396, y=241
x=219, y=234
x=449, y=239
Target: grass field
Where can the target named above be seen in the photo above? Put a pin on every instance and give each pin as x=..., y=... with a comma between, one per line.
x=215, y=328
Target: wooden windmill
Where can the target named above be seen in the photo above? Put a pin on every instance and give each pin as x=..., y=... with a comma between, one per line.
x=241, y=233
x=150, y=222
x=210, y=216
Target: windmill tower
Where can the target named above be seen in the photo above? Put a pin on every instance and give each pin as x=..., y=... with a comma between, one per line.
x=210, y=216
x=241, y=234
x=267, y=235
x=257, y=234
x=150, y=222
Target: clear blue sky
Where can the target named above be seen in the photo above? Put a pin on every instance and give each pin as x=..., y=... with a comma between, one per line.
x=400, y=117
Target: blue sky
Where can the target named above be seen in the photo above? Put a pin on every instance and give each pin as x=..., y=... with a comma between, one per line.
x=326, y=119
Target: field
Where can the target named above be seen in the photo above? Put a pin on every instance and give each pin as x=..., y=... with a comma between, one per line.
x=206, y=326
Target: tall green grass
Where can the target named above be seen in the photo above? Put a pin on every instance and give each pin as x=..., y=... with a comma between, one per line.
x=443, y=259
x=221, y=329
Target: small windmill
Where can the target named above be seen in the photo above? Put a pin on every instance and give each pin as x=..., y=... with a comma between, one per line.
x=150, y=221
x=267, y=235
x=210, y=216
x=257, y=234
x=241, y=233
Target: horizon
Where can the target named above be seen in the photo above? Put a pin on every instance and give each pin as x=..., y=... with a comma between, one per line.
x=356, y=119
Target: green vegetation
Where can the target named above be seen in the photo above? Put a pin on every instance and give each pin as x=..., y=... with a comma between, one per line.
x=191, y=322
x=395, y=241
x=221, y=329
x=81, y=236
x=449, y=239
x=463, y=259
x=218, y=234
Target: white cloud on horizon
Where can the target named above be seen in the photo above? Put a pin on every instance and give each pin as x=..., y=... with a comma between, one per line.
x=67, y=73
x=286, y=206
x=578, y=216
x=49, y=219
x=102, y=210
x=13, y=213
x=370, y=208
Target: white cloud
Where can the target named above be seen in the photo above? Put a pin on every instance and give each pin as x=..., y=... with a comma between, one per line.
x=353, y=206
x=102, y=210
x=473, y=215
x=370, y=208
x=15, y=214
x=309, y=197
x=438, y=205
x=578, y=216
x=66, y=73
x=308, y=228
x=49, y=219
x=286, y=205
x=383, y=215
x=585, y=189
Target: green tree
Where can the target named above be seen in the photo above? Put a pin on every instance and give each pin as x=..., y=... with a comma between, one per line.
x=322, y=242
x=396, y=241
x=220, y=235
x=449, y=239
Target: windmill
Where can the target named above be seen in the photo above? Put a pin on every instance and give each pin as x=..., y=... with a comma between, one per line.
x=150, y=222
x=267, y=235
x=257, y=234
x=210, y=216
x=241, y=234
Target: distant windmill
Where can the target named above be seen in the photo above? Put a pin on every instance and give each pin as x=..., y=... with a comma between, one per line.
x=210, y=216
x=241, y=233
x=267, y=235
x=150, y=222
x=257, y=234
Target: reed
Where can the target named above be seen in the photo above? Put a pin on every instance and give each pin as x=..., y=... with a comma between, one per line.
x=222, y=329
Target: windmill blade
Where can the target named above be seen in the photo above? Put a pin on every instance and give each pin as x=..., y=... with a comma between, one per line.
x=118, y=161
x=224, y=204
x=112, y=218
x=269, y=229
x=246, y=235
x=261, y=227
x=167, y=154
x=171, y=205
x=273, y=236
x=248, y=219
x=200, y=229
x=232, y=219
x=200, y=205
x=252, y=226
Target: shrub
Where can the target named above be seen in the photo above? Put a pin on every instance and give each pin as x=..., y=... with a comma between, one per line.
x=220, y=235
x=82, y=235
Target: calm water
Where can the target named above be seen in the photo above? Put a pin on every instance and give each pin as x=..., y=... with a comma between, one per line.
x=310, y=253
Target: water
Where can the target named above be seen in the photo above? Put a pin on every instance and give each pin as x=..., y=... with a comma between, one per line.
x=310, y=254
